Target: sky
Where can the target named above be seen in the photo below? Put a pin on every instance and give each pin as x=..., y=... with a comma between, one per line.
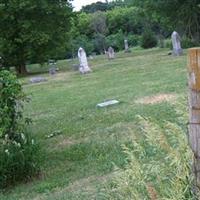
x=77, y=4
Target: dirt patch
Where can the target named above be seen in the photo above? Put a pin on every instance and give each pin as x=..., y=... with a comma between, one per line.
x=159, y=98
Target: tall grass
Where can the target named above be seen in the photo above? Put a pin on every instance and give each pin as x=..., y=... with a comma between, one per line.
x=159, y=165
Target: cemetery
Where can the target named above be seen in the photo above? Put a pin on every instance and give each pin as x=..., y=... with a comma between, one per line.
x=105, y=106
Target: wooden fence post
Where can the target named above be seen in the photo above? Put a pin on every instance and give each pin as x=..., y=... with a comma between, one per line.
x=194, y=109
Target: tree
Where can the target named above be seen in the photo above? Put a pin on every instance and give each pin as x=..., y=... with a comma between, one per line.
x=94, y=7
x=183, y=15
x=98, y=25
x=33, y=30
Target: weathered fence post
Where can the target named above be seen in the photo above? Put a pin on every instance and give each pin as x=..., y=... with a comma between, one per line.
x=194, y=109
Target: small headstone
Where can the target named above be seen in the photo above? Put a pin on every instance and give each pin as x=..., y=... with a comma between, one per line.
x=83, y=67
x=111, y=53
x=37, y=79
x=127, y=50
x=107, y=103
x=177, y=50
x=52, y=67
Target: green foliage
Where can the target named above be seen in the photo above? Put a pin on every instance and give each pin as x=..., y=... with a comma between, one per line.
x=125, y=19
x=148, y=40
x=82, y=41
x=18, y=151
x=94, y=7
x=186, y=19
x=19, y=160
x=11, y=98
x=116, y=41
x=30, y=31
x=168, y=43
x=134, y=40
x=187, y=42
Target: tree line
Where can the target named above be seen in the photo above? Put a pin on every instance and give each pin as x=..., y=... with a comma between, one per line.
x=34, y=31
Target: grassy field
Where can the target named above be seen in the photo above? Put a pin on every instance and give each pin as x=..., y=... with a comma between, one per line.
x=80, y=160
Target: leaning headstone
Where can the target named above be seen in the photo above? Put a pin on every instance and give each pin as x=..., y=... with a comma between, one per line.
x=107, y=103
x=83, y=67
x=127, y=50
x=52, y=67
x=37, y=79
x=177, y=50
x=111, y=53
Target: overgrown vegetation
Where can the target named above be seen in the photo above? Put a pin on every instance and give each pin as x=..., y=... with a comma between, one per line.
x=159, y=165
x=148, y=40
x=18, y=150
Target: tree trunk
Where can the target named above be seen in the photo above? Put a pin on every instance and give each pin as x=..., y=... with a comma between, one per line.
x=21, y=69
x=194, y=109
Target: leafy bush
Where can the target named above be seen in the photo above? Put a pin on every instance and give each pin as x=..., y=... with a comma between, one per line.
x=84, y=42
x=187, y=43
x=116, y=41
x=133, y=40
x=19, y=158
x=168, y=43
x=148, y=40
x=11, y=98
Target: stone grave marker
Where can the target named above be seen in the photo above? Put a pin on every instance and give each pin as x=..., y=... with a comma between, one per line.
x=83, y=67
x=52, y=67
x=176, y=42
x=111, y=53
x=107, y=103
x=37, y=79
x=127, y=50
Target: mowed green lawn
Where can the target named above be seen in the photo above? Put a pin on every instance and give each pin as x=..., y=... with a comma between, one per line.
x=79, y=161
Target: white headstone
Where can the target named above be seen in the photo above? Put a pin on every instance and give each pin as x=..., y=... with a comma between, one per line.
x=177, y=50
x=126, y=45
x=83, y=67
x=111, y=53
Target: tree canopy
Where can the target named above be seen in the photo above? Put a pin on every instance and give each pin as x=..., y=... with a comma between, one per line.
x=32, y=30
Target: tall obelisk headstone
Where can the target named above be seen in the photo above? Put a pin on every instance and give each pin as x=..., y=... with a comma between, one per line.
x=176, y=43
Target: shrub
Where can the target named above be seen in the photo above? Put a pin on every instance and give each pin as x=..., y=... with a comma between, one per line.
x=116, y=41
x=18, y=151
x=187, y=43
x=133, y=40
x=19, y=160
x=148, y=40
x=168, y=43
